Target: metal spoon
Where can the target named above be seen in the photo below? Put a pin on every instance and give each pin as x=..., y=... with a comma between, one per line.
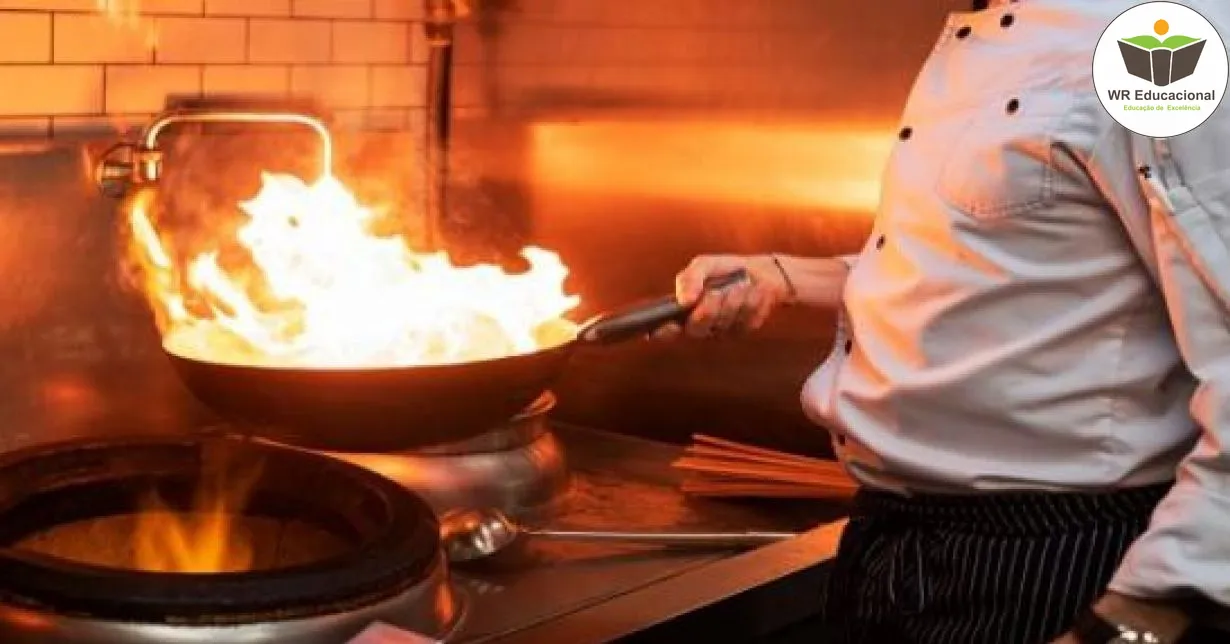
x=473, y=534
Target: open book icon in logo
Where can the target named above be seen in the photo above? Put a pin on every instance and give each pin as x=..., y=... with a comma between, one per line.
x=1161, y=62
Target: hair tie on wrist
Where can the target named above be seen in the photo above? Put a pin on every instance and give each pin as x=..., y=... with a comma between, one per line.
x=794, y=294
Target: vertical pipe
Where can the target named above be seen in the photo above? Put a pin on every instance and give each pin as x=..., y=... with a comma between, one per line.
x=440, y=17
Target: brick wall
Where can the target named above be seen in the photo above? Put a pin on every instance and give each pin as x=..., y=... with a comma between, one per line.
x=66, y=68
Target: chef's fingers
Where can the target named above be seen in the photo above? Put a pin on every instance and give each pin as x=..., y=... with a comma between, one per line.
x=667, y=332
x=748, y=311
x=732, y=308
x=690, y=283
x=764, y=308
x=704, y=316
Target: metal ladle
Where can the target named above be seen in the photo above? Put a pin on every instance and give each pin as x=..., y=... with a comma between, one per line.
x=467, y=535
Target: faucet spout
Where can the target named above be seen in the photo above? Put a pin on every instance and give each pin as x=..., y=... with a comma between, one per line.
x=149, y=139
x=144, y=163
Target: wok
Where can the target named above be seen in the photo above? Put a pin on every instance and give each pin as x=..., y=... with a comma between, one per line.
x=400, y=408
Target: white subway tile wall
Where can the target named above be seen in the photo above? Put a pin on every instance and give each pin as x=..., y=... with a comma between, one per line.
x=67, y=68
x=336, y=85
x=201, y=40
x=247, y=7
x=144, y=88
x=190, y=7
x=27, y=38
x=246, y=79
x=370, y=42
x=289, y=41
x=332, y=8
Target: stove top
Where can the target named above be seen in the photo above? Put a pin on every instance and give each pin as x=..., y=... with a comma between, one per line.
x=616, y=482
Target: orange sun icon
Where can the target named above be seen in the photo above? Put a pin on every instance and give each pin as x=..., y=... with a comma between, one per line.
x=1161, y=27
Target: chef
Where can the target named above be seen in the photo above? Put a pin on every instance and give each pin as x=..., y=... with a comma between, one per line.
x=1031, y=376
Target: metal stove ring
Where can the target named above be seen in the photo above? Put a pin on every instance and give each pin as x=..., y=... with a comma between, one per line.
x=394, y=560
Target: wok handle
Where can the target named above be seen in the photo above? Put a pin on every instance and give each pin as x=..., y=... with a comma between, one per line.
x=649, y=317
x=670, y=539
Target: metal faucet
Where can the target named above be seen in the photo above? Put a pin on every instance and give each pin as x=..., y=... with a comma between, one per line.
x=116, y=176
x=439, y=18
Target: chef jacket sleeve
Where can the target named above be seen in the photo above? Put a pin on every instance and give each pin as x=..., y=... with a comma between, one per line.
x=1182, y=189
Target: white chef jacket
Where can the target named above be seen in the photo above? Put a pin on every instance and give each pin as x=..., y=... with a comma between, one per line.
x=1044, y=300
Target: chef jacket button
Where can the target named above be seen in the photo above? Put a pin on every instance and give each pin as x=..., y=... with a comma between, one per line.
x=880, y=242
x=964, y=32
x=849, y=346
x=905, y=133
x=1007, y=20
x=1013, y=106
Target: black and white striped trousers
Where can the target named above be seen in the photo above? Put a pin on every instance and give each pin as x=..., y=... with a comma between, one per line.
x=1003, y=568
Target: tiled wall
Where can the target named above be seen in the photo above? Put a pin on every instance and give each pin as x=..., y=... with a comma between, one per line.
x=66, y=67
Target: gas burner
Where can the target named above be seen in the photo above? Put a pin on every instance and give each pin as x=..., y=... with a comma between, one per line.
x=333, y=548
x=518, y=468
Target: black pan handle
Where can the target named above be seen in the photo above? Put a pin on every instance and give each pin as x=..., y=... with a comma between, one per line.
x=646, y=318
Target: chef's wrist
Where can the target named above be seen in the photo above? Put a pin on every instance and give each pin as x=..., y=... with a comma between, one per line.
x=1164, y=619
x=808, y=281
x=787, y=292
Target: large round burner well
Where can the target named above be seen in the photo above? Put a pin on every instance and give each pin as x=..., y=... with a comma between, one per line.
x=331, y=547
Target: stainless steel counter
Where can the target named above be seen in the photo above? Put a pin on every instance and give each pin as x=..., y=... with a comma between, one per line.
x=561, y=592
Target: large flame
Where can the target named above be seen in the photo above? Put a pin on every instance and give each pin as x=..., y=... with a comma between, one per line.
x=316, y=286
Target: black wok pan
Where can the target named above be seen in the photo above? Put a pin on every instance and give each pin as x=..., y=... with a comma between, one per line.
x=400, y=408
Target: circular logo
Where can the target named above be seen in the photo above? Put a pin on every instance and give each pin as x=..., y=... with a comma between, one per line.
x=1160, y=69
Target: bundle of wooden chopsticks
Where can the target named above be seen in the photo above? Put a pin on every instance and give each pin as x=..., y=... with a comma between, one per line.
x=719, y=467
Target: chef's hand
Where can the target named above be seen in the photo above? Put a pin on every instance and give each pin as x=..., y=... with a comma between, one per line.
x=738, y=308
x=1166, y=621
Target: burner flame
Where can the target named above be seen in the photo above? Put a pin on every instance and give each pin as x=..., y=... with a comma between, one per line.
x=206, y=537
